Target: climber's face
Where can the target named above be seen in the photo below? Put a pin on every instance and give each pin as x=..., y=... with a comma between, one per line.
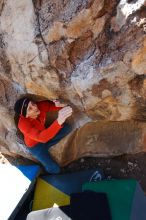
x=32, y=110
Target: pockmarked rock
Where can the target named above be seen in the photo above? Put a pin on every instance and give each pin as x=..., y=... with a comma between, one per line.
x=89, y=53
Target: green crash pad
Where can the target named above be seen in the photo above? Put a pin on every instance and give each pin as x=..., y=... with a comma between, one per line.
x=126, y=198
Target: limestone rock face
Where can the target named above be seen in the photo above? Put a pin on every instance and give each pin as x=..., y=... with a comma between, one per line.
x=89, y=53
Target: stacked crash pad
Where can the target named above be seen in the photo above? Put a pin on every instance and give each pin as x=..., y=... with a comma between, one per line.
x=15, y=185
x=125, y=197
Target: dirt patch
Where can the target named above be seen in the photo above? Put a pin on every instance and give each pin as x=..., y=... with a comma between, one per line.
x=122, y=167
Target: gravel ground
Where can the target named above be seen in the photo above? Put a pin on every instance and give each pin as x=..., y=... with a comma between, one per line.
x=126, y=166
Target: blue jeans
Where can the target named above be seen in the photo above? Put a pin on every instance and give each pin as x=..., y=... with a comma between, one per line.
x=40, y=150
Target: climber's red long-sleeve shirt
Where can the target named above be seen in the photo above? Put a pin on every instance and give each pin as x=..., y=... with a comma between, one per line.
x=34, y=130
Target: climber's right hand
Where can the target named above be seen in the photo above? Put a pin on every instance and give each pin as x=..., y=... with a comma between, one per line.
x=63, y=114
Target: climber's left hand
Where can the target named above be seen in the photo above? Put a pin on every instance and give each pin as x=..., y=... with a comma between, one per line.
x=58, y=103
